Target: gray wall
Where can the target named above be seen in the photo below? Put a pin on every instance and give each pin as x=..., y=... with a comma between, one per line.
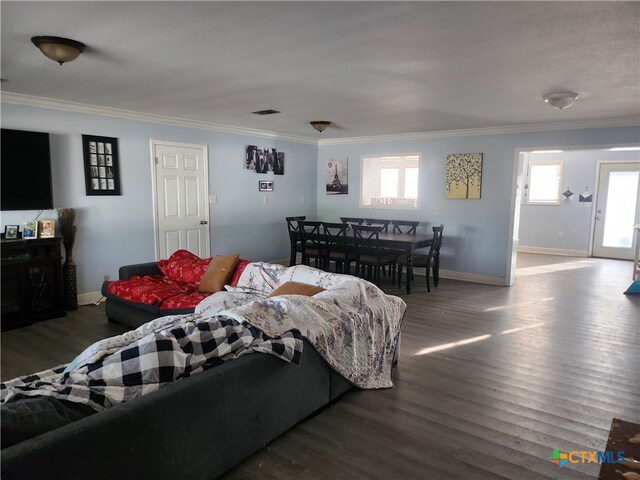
x=541, y=224
x=118, y=230
x=476, y=235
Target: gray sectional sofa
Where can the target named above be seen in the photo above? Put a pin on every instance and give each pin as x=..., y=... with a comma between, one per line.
x=201, y=426
x=196, y=428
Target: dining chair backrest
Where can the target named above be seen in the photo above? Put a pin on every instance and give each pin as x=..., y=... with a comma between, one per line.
x=311, y=233
x=293, y=224
x=355, y=220
x=377, y=221
x=335, y=235
x=434, y=251
x=404, y=226
x=367, y=239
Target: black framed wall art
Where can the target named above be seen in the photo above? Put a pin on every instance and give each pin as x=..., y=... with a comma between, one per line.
x=101, y=165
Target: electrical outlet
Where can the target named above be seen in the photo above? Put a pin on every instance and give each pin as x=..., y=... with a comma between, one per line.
x=303, y=199
x=560, y=234
x=435, y=211
x=106, y=278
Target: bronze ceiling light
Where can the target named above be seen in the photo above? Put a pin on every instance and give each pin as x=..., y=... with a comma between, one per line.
x=320, y=126
x=59, y=49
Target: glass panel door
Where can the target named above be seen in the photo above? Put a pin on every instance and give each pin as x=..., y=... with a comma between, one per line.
x=616, y=210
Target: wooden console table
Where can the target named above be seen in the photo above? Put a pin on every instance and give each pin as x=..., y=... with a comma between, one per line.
x=31, y=281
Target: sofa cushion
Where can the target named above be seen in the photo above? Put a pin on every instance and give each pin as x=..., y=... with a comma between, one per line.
x=218, y=273
x=296, y=288
x=184, y=266
x=182, y=302
x=149, y=289
x=242, y=264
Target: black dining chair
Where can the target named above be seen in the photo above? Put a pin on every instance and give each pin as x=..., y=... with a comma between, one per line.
x=294, y=237
x=431, y=261
x=404, y=226
x=337, y=248
x=369, y=252
x=313, y=245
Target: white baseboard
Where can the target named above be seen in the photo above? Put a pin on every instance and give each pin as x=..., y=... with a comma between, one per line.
x=90, y=298
x=553, y=251
x=473, y=278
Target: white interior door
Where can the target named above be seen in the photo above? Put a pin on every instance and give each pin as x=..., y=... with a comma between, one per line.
x=181, y=198
x=617, y=210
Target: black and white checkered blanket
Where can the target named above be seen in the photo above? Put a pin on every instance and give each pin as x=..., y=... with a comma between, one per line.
x=186, y=345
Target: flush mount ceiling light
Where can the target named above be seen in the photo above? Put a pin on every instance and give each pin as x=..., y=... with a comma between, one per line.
x=320, y=126
x=59, y=49
x=560, y=100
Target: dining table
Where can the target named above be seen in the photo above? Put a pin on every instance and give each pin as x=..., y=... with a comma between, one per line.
x=408, y=243
x=405, y=242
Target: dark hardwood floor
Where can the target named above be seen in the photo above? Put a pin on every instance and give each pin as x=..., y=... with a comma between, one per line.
x=490, y=380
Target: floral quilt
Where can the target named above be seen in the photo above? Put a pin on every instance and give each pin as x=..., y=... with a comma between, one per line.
x=353, y=324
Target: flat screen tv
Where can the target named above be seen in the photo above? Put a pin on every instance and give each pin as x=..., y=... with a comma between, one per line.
x=25, y=171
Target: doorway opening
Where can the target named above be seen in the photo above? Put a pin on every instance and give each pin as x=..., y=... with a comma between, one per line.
x=563, y=222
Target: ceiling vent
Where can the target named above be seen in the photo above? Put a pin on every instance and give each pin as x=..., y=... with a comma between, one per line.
x=266, y=112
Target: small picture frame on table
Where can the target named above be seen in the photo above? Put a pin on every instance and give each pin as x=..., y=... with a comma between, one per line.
x=30, y=230
x=101, y=162
x=265, y=186
x=11, y=232
x=46, y=228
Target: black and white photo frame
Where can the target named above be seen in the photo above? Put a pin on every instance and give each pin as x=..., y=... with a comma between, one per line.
x=101, y=165
x=265, y=186
x=264, y=160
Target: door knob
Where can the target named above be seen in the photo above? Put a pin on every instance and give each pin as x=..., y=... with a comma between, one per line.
x=203, y=222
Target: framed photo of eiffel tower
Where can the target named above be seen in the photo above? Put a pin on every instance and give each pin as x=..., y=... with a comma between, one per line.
x=338, y=176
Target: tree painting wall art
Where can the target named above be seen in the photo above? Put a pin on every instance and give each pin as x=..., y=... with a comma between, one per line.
x=464, y=175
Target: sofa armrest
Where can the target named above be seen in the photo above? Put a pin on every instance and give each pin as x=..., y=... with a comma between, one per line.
x=128, y=271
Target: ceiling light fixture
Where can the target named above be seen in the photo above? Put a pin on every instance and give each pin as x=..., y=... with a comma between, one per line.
x=320, y=126
x=560, y=100
x=59, y=49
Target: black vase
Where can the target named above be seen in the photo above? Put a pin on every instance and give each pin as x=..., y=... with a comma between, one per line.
x=70, y=279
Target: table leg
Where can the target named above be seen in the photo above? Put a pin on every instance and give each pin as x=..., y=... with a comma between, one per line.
x=409, y=252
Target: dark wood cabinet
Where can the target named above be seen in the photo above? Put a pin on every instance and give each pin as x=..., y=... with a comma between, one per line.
x=31, y=281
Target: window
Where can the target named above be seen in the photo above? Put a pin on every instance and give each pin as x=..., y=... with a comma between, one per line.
x=544, y=182
x=390, y=182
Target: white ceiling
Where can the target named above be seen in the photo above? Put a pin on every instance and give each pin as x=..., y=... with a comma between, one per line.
x=372, y=68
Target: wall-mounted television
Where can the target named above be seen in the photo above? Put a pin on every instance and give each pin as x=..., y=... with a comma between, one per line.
x=25, y=171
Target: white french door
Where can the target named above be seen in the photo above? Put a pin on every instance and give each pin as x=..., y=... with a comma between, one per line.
x=617, y=210
x=181, y=192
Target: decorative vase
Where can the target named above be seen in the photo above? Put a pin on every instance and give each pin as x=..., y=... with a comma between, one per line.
x=69, y=277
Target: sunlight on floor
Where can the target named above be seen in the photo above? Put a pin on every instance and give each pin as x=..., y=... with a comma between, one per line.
x=519, y=329
x=520, y=304
x=467, y=341
x=446, y=346
x=558, y=267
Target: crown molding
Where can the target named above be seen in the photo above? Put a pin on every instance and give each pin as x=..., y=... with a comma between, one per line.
x=43, y=102
x=472, y=132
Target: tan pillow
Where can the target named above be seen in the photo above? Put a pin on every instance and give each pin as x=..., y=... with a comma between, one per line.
x=296, y=288
x=218, y=273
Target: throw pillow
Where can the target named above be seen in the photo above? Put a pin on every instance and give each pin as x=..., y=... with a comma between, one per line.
x=218, y=273
x=296, y=288
x=184, y=266
x=242, y=264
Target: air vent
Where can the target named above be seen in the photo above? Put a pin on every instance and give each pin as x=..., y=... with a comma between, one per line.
x=266, y=112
